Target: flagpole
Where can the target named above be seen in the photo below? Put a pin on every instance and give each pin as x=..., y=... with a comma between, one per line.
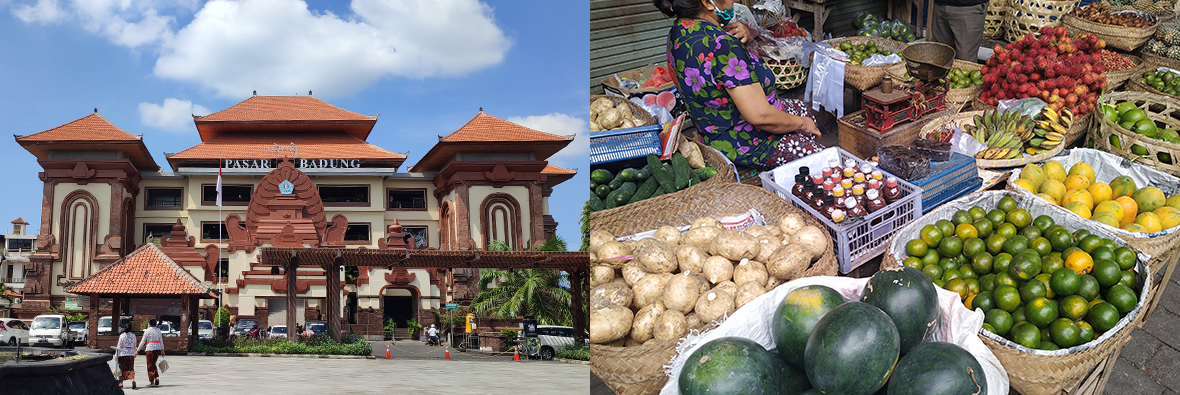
x=220, y=290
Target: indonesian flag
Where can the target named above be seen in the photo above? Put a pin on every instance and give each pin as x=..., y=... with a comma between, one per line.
x=218, y=183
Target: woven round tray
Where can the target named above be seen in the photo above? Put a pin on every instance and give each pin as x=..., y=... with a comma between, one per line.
x=993, y=21
x=1116, y=79
x=963, y=118
x=957, y=97
x=636, y=110
x=1158, y=108
x=639, y=370
x=712, y=158
x=787, y=74
x=865, y=77
x=1029, y=16
x=1120, y=37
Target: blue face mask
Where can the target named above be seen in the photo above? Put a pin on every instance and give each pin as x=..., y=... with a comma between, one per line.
x=725, y=16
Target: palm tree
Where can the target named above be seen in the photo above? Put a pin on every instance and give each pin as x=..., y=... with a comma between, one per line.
x=518, y=292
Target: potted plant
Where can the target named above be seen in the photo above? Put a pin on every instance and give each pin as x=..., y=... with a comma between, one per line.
x=413, y=326
x=389, y=328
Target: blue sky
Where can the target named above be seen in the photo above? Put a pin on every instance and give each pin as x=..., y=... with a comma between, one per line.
x=426, y=67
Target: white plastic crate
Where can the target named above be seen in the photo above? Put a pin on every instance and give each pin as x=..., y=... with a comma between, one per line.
x=856, y=241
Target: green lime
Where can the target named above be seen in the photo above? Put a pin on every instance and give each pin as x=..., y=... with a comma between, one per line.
x=951, y=274
x=946, y=227
x=1047, y=346
x=1007, y=203
x=1003, y=278
x=956, y=285
x=973, y=246
x=1087, y=331
x=1103, y=316
x=1065, y=332
x=961, y=217
x=1024, y=267
x=977, y=213
x=1061, y=239
x=947, y=264
x=1006, y=230
x=950, y=246
x=1015, y=244
x=913, y=262
x=996, y=216
x=1051, y=263
x=1032, y=290
x=933, y=272
x=982, y=262
x=994, y=244
x=916, y=248
x=1018, y=315
x=1019, y=217
x=1001, y=262
x=1040, y=244
x=931, y=257
x=984, y=227
x=1080, y=234
x=1090, y=243
x=983, y=301
x=1055, y=228
x=1128, y=278
x=1106, y=272
x=1074, y=307
x=1007, y=297
x=1041, y=312
x=1065, y=282
x=1102, y=252
x=1125, y=257
x=1043, y=222
x=1089, y=287
x=1000, y=320
x=1108, y=243
x=1026, y=334
x=973, y=287
x=988, y=327
x=987, y=282
x=1031, y=232
x=1122, y=297
x=931, y=235
x=967, y=272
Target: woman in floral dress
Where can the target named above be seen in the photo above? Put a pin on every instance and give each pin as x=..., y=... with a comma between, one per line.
x=729, y=92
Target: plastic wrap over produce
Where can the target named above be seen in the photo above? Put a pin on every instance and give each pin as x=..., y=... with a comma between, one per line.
x=1035, y=206
x=958, y=325
x=1108, y=166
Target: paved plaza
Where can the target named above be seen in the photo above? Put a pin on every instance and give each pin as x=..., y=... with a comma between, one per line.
x=272, y=375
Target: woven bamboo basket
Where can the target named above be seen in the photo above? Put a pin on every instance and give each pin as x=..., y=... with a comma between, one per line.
x=979, y=105
x=1116, y=79
x=639, y=369
x=1120, y=37
x=1159, y=108
x=1029, y=16
x=1133, y=85
x=636, y=110
x=1153, y=61
x=865, y=77
x=958, y=97
x=993, y=21
x=712, y=158
x=960, y=119
x=787, y=74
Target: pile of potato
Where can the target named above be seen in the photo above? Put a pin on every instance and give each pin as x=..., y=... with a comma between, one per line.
x=661, y=287
x=604, y=115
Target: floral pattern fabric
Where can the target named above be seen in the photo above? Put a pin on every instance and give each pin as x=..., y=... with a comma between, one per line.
x=706, y=60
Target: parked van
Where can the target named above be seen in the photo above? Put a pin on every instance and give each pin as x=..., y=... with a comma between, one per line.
x=13, y=331
x=553, y=338
x=50, y=330
x=104, y=325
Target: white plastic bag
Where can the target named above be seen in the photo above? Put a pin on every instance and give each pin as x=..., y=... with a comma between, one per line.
x=958, y=325
x=825, y=85
x=879, y=59
x=966, y=144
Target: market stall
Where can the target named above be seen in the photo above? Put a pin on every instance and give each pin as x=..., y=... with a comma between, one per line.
x=1000, y=226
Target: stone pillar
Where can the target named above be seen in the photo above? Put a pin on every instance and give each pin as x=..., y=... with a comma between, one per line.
x=576, y=287
x=92, y=325
x=194, y=328
x=116, y=312
x=462, y=217
x=536, y=216
x=332, y=275
x=292, y=265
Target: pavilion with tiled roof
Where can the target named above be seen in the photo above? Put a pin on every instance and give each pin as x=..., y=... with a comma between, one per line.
x=89, y=133
x=19, y=221
x=485, y=133
x=146, y=273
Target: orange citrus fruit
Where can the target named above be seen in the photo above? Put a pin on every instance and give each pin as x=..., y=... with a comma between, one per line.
x=1130, y=209
x=1134, y=228
x=1106, y=218
x=1080, y=262
x=1081, y=168
x=1053, y=188
x=1078, y=195
x=1054, y=170
x=1100, y=192
x=1048, y=198
x=1079, y=208
x=1077, y=181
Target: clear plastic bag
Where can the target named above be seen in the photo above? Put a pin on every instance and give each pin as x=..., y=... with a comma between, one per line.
x=825, y=84
x=878, y=59
x=1029, y=106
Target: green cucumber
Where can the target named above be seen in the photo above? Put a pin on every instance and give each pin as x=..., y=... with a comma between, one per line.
x=617, y=182
x=601, y=176
x=595, y=203
x=624, y=193
x=645, y=190
x=602, y=191
x=629, y=174
x=706, y=173
x=643, y=174
x=663, y=177
x=693, y=178
x=680, y=170
x=610, y=202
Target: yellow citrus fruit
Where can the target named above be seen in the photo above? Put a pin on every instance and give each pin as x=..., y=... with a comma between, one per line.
x=1054, y=188
x=1134, y=228
x=1078, y=195
x=1054, y=171
x=1083, y=169
x=1107, y=217
x=1099, y=191
x=1122, y=186
x=1150, y=221
x=1112, y=207
x=1033, y=173
x=1149, y=198
x=1130, y=209
x=1079, y=208
x=1077, y=181
x=1080, y=262
x=1025, y=184
x=1173, y=201
x=1048, y=197
x=1169, y=216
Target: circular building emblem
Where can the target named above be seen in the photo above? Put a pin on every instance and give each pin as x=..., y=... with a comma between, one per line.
x=286, y=187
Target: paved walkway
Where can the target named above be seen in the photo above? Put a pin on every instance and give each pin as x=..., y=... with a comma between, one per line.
x=415, y=350
x=260, y=375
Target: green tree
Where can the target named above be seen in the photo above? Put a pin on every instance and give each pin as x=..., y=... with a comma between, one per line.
x=515, y=293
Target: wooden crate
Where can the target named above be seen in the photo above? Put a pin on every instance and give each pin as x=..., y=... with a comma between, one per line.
x=864, y=143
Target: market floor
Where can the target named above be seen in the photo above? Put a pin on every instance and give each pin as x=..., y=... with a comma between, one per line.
x=260, y=375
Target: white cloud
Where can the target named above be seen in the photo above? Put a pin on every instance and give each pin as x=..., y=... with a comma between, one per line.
x=281, y=47
x=174, y=115
x=44, y=12
x=575, y=155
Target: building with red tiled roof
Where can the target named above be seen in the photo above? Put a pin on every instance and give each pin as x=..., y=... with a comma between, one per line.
x=19, y=221
x=295, y=172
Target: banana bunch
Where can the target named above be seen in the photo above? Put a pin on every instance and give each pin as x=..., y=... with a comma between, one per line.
x=1050, y=131
x=1004, y=132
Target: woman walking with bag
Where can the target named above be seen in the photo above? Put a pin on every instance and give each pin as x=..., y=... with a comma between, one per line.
x=125, y=351
x=155, y=348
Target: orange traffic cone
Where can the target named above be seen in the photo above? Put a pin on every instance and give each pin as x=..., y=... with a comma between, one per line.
x=516, y=353
x=387, y=356
x=448, y=354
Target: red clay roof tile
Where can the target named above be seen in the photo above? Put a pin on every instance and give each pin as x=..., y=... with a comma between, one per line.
x=487, y=128
x=19, y=221
x=310, y=145
x=551, y=169
x=92, y=127
x=147, y=270
x=284, y=108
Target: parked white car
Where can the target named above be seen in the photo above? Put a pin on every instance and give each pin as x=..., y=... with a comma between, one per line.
x=49, y=330
x=205, y=329
x=167, y=329
x=104, y=325
x=554, y=337
x=13, y=331
x=80, y=329
x=276, y=332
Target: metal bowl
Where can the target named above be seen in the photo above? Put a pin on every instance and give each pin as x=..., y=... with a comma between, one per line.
x=928, y=61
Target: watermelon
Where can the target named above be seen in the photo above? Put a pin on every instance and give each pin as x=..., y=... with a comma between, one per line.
x=797, y=315
x=852, y=350
x=938, y=368
x=731, y=365
x=909, y=298
x=793, y=380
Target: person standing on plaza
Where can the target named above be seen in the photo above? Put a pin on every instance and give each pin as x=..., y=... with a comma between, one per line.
x=125, y=353
x=959, y=24
x=154, y=341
